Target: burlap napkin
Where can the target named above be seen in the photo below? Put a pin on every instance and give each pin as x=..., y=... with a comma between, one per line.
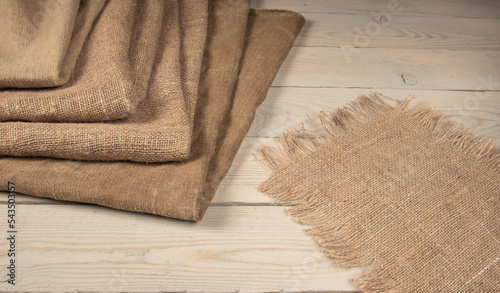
x=398, y=190
x=41, y=40
x=111, y=75
x=160, y=130
x=224, y=112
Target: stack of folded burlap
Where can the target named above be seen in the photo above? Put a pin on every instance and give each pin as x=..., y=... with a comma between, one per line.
x=134, y=105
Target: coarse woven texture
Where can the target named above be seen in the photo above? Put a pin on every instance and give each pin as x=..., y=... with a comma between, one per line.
x=396, y=189
x=160, y=130
x=244, y=51
x=111, y=74
x=41, y=40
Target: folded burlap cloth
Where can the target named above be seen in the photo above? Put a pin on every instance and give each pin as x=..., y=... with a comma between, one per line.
x=41, y=40
x=243, y=53
x=169, y=34
x=396, y=189
x=115, y=66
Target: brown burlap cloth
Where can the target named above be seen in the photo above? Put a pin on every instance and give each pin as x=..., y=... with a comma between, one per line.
x=41, y=40
x=160, y=130
x=396, y=189
x=114, y=68
x=240, y=62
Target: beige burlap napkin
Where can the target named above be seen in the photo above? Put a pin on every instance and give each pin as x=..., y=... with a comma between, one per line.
x=112, y=72
x=41, y=40
x=396, y=189
x=160, y=130
x=240, y=62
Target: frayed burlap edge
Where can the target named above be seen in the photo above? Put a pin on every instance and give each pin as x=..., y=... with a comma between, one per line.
x=337, y=240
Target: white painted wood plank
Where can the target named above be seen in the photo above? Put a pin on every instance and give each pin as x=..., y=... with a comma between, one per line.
x=287, y=107
x=447, y=8
x=88, y=248
x=398, y=31
x=389, y=68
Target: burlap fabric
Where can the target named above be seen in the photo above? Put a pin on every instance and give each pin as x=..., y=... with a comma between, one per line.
x=160, y=130
x=240, y=62
x=398, y=190
x=111, y=75
x=41, y=40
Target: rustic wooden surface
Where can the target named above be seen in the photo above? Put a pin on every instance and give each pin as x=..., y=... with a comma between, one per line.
x=446, y=53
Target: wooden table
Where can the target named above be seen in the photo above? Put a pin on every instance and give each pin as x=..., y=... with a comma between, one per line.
x=447, y=53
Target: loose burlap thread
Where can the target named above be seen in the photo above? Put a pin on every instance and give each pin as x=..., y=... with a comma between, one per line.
x=243, y=53
x=396, y=189
x=41, y=40
x=160, y=129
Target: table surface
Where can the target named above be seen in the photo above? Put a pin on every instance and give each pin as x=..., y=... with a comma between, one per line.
x=446, y=53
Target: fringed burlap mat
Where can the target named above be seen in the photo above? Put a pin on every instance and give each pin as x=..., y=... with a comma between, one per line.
x=396, y=189
x=244, y=51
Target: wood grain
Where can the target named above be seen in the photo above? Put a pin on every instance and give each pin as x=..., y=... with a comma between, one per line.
x=398, y=31
x=390, y=68
x=429, y=8
x=287, y=107
x=234, y=249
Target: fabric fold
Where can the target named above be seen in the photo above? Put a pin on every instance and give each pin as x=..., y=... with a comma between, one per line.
x=243, y=53
x=111, y=74
x=45, y=39
x=160, y=129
